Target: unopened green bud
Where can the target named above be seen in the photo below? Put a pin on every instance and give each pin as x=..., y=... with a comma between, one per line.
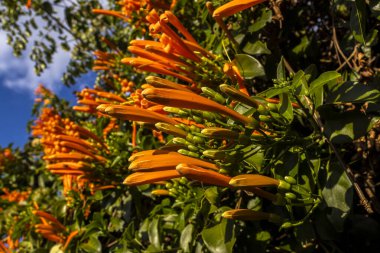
x=197, y=119
x=195, y=129
x=290, y=196
x=217, y=132
x=284, y=185
x=183, y=127
x=264, y=118
x=272, y=107
x=188, y=153
x=213, y=95
x=175, y=110
x=290, y=180
x=181, y=141
x=183, y=180
x=238, y=95
x=216, y=154
x=192, y=148
x=286, y=225
x=198, y=140
x=262, y=109
x=170, y=129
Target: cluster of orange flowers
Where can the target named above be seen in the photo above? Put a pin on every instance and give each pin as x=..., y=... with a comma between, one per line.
x=137, y=8
x=92, y=98
x=69, y=148
x=52, y=229
x=14, y=196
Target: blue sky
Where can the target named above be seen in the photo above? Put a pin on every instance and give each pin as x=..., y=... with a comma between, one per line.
x=17, y=85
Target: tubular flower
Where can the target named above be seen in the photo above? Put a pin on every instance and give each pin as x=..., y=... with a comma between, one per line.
x=90, y=99
x=68, y=148
x=140, y=178
x=233, y=7
x=133, y=113
x=253, y=180
x=189, y=100
x=168, y=161
x=160, y=192
x=14, y=196
x=247, y=214
x=173, y=55
x=203, y=175
x=52, y=229
x=133, y=11
x=104, y=60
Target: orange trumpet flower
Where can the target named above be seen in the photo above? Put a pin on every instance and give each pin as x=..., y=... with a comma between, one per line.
x=167, y=162
x=253, y=180
x=233, y=7
x=140, y=178
x=203, y=175
x=134, y=113
x=184, y=99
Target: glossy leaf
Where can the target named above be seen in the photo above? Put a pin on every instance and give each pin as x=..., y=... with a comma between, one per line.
x=358, y=20
x=323, y=79
x=249, y=66
x=338, y=194
x=221, y=237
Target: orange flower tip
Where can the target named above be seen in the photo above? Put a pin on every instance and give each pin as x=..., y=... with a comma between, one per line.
x=253, y=180
x=233, y=7
x=245, y=214
x=160, y=192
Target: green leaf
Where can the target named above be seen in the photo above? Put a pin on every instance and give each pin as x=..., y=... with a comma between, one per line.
x=212, y=195
x=344, y=127
x=353, y=92
x=187, y=238
x=302, y=47
x=271, y=92
x=286, y=108
x=299, y=85
x=338, y=195
x=323, y=79
x=221, y=237
x=260, y=22
x=248, y=66
x=281, y=73
x=256, y=48
x=154, y=233
x=92, y=245
x=357, y=20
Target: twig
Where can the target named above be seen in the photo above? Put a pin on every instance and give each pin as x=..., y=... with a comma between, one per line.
x=220, y=22
x=337, y=47
x=348, y=59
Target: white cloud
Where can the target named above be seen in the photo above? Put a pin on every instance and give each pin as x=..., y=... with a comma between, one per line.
x=18, y=73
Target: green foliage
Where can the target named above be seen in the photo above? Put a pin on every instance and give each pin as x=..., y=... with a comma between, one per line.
x=310, y=69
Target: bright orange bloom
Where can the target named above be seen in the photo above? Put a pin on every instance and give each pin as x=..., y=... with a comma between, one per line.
x=125, y=112
x=139, y=178
x=234, y=6
x=167, y=161
x=253, y=180
x=203, y=175
x=184, y=99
